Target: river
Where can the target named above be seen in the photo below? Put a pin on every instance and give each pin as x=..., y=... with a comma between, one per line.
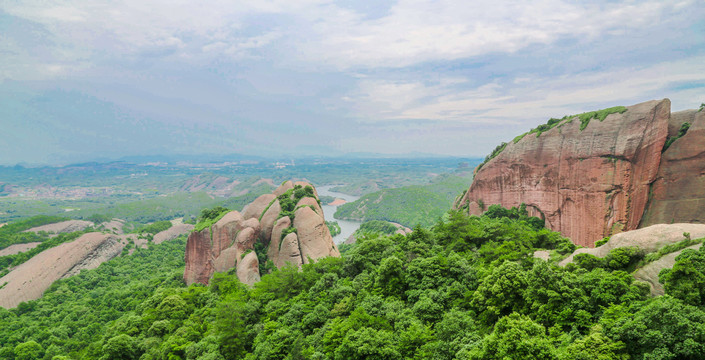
x=347, y=227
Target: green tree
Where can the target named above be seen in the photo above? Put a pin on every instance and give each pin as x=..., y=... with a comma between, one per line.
x=514, y=337
x=29, y=350
x=500, y=293
x=686, y=280
x=666, y=328
x=121, y=347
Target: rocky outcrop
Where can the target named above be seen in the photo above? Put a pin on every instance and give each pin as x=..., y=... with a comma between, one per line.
x=678, y=194
x=601, y=180
x=172, y=233
x=289, y=223
x=29, y=280
x=62, y=227
x=649, y=239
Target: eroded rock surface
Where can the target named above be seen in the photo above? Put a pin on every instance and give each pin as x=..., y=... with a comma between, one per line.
x=649, y=239
x=587, y=184
x=29, y=280
x=231, y=241
x=678, y=194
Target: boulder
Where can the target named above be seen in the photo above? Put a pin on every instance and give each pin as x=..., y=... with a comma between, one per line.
x=313, y=234
x=268, y=220
x=649, y=239
x=245, y=240
x=276, y=239
x=257, y=207
x=309, y=201
x=284, y=187
x=226, y=261
x=290, y=253
x=248, y=269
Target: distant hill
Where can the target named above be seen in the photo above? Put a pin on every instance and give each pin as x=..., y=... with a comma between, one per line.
x=408, y=205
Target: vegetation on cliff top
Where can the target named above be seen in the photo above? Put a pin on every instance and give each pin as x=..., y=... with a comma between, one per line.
x=553, y=122
x=209, y=217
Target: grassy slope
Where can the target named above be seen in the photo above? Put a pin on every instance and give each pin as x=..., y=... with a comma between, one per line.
x=408, y=205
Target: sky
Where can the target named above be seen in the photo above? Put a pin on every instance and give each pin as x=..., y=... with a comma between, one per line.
x=86, y=80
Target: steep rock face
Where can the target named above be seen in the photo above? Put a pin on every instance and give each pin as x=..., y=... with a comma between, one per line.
x=678, y=194
x=248, y=269
x=219, y=247
x=276, y=240
x=289, y=252
x=231, y=241
x=311, y=228
x=587, y=184
x=29, y=280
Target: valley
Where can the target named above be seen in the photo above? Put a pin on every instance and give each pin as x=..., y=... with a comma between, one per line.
x=252, y=271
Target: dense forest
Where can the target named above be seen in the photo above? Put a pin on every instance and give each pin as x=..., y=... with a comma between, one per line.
x=466, y=288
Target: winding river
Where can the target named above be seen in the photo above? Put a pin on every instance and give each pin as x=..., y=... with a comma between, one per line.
x=347, y=227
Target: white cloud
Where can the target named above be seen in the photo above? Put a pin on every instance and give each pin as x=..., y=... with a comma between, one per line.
x=418, y=31
x=521, y=100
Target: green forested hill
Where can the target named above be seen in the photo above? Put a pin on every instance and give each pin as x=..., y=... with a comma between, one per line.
x=468, y=288
x=408, y=205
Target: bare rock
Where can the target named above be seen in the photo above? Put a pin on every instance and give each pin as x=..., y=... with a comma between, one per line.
x=199, y=258
x=226, y=261
x=649, y=239
x=276, y=239
x=225, y=231
x=172, y=233
x=290, y=253
x=62, y=227
x=287, y=185
x=313, y=234
x=29, y=280
x=257, y=207
x=268, y=220
x=246, y=240
x=309, y=201
x=248, y=269
x=586, y=184
x=678, y=194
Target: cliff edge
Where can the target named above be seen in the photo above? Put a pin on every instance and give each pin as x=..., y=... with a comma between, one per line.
x=601, y=173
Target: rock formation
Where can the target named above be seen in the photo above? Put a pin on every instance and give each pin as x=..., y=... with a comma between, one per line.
x=29, y=280
x=678, y=194
x=592, y=181
x=649, y=239
x=289, y=223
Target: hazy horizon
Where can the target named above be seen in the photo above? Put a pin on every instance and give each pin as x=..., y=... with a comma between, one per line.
x=107, y=80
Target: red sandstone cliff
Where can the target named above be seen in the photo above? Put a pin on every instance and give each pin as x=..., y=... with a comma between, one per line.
x=230, y=242
x=678, y=194
x=587, y=184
